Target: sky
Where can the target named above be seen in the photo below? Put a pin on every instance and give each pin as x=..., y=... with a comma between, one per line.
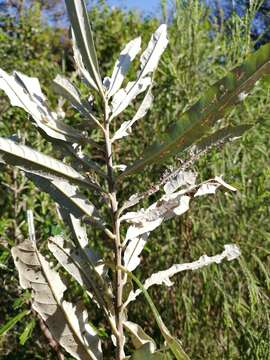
x=145, y=6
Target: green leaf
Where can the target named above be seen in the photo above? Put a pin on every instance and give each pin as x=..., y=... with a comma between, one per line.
x=144, y=353
x=27, y=332
x=199, y=119
x=173, y=343
x=220, y=137
x=77, y=13
x=24, y=297
x=12, y=322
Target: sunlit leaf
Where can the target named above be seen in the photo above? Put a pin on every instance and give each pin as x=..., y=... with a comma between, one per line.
x=25, y=92
x=122, y=65
x=77, y=13
x=199, y=119
x=13, y=321
x=231, y=252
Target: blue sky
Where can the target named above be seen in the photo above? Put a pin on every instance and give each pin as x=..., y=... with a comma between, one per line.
x=145, y=6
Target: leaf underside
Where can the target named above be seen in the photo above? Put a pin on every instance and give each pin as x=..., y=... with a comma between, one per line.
x=67, y=323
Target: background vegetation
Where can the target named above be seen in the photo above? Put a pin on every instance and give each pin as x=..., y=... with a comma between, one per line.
x=221, y=312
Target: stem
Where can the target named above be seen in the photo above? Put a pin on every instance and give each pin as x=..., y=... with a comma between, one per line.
x=120, y=354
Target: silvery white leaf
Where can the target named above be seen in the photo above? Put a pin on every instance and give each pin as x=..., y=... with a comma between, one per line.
x=121, y=67
x=120, y=167
x=211, y=187
x=149, y=60
x=67, y=323
x=138, y=336
x=124, y=97
x=168, y=206
x=182, y=179
x=25, y=92
x=147, y=220
x=66, y=89
x=83, y=73
x=133, y=251
x=125, y=128
x=150, y=57
x=231, y=252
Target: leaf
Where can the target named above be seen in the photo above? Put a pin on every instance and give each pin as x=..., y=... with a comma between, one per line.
x=231, y=252
x=173, y=343
x=67, y=323
x=25, y=92
x=125, y=128
x=229, y=133
x=182, y=179
x=145, y=353
x=34, y=162
x=150, y=57
x=80, y=68
x=199, y=119
x=138, y=336
x=168, y=206
x=123, y=97
x=78, y=17
x=70, y=198
x=122, y=65
x=80, y=263
x=149, y=60
x=66, y=89
x=133, y=251
x=13, y=321
x=27, y=332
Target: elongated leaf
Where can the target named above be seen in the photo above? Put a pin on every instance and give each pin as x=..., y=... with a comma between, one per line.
x=67, y=323
x=77, y=13
x=84, y=264
x=231, y=252
x=13, y=321
x=123, y=97
x=150, y=57
x=149, y=60
x=199, y=119
x=25, y=92
x=145, y=353
x=66, y=89
x=229, y=133
x=133, y=251
x=76, y=262
x=173, y=343
x=79, y=65
x=70, y=198
x=170, y=205
x=182, y=179
x=37, y=163
x=125, y=128
x=122, y=65
x=27, y=332
x=138, y=336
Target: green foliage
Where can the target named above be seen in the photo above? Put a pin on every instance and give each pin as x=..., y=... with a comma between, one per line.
x=221, y=312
